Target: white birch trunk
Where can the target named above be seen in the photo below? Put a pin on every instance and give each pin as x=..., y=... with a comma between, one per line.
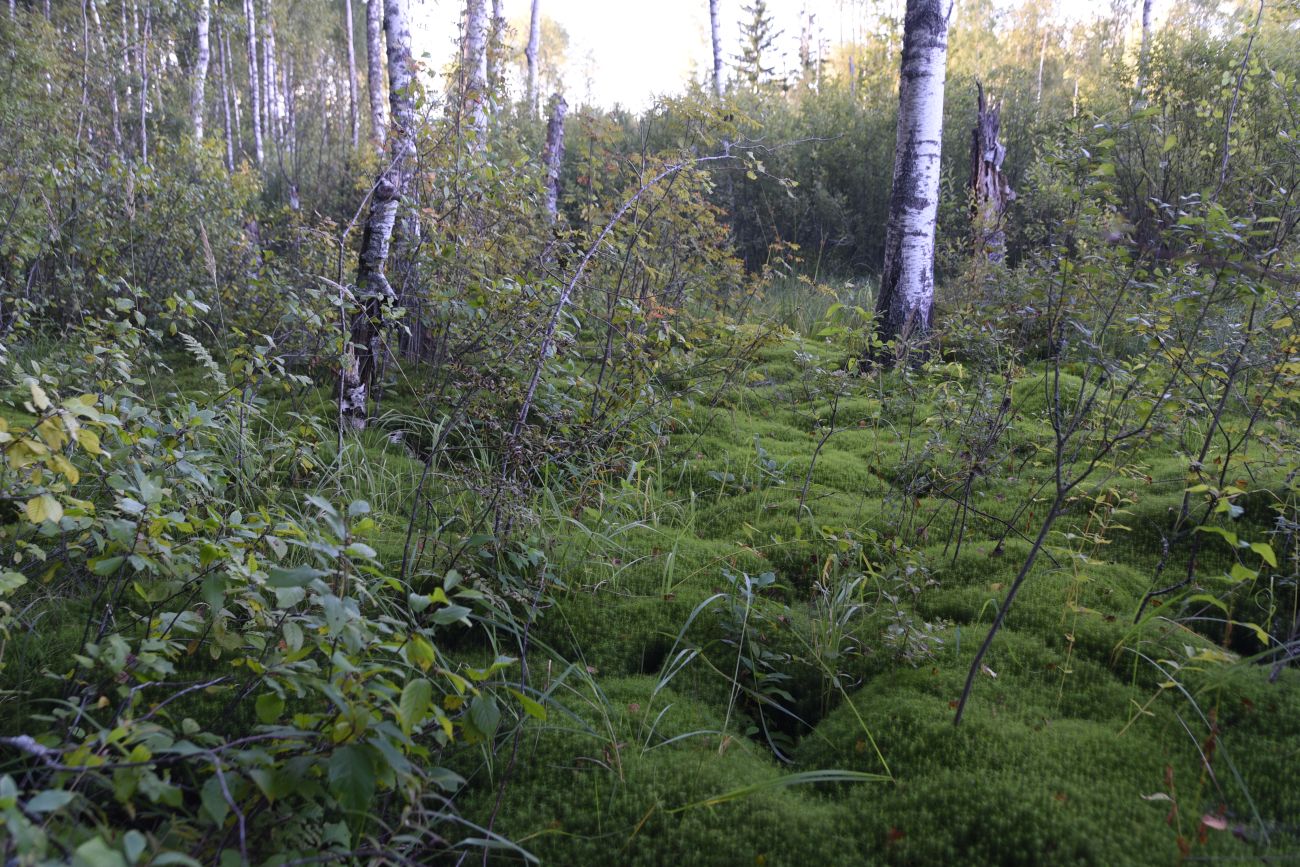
x=365, y=347
x=254, y=81
x=1042, y=55
x=353, y=115
x=225, y=98
x=235, y=106
x=113, y=105
x=476, y=80
x=204, y=57
x=907, y=282
x=717, y=48
x=496, y=33
x=1144, y=50
x=553, y=155
x=530, y=53
x=375, y=69
x=144, y=83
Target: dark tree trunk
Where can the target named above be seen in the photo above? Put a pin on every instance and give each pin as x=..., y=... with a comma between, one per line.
x=990, y=192
x=553, y=155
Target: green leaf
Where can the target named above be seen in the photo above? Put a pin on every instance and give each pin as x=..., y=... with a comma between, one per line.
x=49, y=801
x=96, y=853
x=1265, y=551
x=358, y=507
x=414, y=703
x=269, y=707
x=1228, y=535
x=133, y=843
x=484, y=715
x=533, y=708
x=106, y=565
x=352, y=777
x=298, y=576
x=11, y=581
x=214, y=801
x=1241, y=573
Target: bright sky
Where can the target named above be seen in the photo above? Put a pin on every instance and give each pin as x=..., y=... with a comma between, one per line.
x=629, y=51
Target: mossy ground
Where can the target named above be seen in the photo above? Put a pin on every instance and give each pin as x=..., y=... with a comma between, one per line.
x=1075, y=749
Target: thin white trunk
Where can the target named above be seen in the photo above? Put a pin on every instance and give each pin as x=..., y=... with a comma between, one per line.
x=375, y=69
x=270, y=80
x=534, y=45
x=113, y=105
x=717, y=48
x=476, y=79
x=234, y=99
x=200, y=68
x=1144, y=50
x=365, y=344
x=1042, y=55
x=496, y=33
x=144, y=83
x=907, y=281
x=225, y=98
x=254, y=81
x=553, y=155
x=353, y=115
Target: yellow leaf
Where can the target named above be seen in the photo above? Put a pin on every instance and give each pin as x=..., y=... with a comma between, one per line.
x=44, y=508
x=39, y=398
x=61, y=464
x=89, y=441
x=1284, y=322
x=52, y=432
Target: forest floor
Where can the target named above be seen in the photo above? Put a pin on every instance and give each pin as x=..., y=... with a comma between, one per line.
x=753, y=635
x=735, y=637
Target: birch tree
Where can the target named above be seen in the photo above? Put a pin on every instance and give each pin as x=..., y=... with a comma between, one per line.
x=717, y=48
x=353, y=116
x=906, y=294
x=530, y=53
x=1144, y=49
x=375, y=69
x=225, y=97
x=475, y=75
x=114, y=107
x=254, y=81
x=200, y=68
x=364, y=348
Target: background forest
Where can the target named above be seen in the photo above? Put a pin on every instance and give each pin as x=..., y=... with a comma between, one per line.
x=399, y=464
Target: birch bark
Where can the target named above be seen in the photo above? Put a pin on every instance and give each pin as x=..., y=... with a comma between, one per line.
x=476, y=79
x=717, y=48
x=1144, y=50
x=200, y=68
x=906, y=294
x=530, y=53
x=365, y=345
x=254, y=81
x=375, y=69
x=353, y=116
x=113, y=105
x=225, y=98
